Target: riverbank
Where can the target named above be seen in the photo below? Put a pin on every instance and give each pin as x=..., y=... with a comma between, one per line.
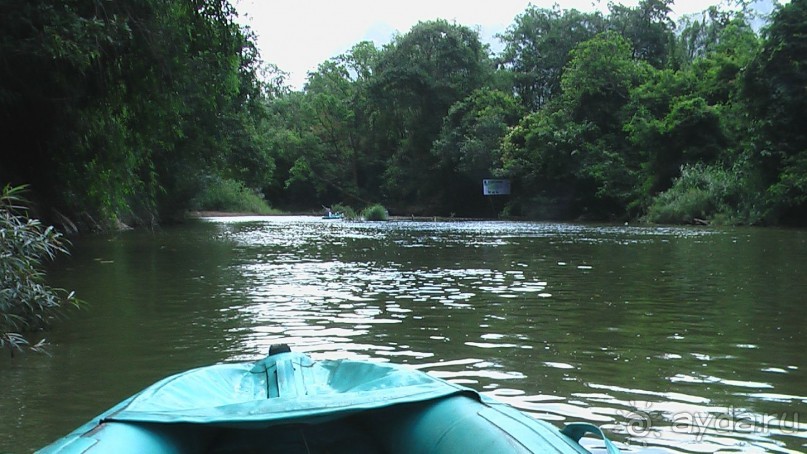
x=230, y=214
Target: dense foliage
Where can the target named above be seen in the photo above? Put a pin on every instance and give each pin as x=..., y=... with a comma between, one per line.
x=119, y=110
x=619, y=116
x=129, y=109
x=26, y=302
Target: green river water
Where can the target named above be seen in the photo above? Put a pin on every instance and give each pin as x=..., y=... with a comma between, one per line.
x=672, y=339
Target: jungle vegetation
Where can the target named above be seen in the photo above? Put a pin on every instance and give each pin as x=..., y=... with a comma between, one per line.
x=128, y=110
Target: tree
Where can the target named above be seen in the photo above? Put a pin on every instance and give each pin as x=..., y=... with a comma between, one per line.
x=774, y=89
x=647, y=27
x=537, y=48
x=55, y=95
x=573, y=153
x=337, y=98
x=119, y=109
x=697, y=37
x=716, y=49
x=598, y=80
x=671, y=125
x=418, y=77
x=321, y=137
x=691, y=133
x=295, y=148
x=542, y=156
x=469, y=146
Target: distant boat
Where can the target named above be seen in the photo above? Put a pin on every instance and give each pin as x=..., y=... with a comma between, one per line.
x=333, y=216
x=289, y=403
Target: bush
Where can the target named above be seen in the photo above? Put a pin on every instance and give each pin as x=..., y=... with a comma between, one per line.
x=680, y=206
x=26, y=303
x=375, y=213
x=223, y=194
x=708, y=193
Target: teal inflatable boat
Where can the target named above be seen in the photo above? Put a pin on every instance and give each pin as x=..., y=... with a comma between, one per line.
x=289, y=403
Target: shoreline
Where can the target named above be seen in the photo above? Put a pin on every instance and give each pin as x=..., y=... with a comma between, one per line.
x=231, y=214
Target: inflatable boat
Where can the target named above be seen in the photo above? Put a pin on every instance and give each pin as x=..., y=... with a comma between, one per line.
x=289, y=403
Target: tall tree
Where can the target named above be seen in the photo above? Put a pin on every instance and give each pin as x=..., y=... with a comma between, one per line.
x=697, y=35
x=419, y=76
x=720, y=67
x=647, y=27
x=469, y=146
x=598, y=80
x=573, y=154
x=294, y=147
x=115, y=109
x=336, y=96
x=774, y=86
x=537, y=46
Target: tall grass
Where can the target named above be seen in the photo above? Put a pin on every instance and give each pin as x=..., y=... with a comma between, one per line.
x=375, y=213
x=27, y=303
x=710, y=193
x=223, y=194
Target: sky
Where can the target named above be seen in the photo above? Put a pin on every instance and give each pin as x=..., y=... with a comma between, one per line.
x=298, y=35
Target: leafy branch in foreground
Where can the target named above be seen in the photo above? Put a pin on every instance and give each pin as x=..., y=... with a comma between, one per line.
x=26, y=302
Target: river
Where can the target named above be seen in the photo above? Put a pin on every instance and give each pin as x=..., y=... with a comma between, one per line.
x=673, y=339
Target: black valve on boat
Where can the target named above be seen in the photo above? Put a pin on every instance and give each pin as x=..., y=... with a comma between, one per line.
x=276, y=349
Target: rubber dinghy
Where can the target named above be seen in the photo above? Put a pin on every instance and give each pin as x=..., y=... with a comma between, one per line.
x=289, y=403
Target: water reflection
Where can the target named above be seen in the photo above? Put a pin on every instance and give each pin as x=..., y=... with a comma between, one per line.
x=673, y=339
x=526, y=312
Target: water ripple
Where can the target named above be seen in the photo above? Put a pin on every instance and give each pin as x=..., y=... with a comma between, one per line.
x=523, y=312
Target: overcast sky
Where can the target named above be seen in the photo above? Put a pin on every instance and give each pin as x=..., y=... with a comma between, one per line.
x=298, y=35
